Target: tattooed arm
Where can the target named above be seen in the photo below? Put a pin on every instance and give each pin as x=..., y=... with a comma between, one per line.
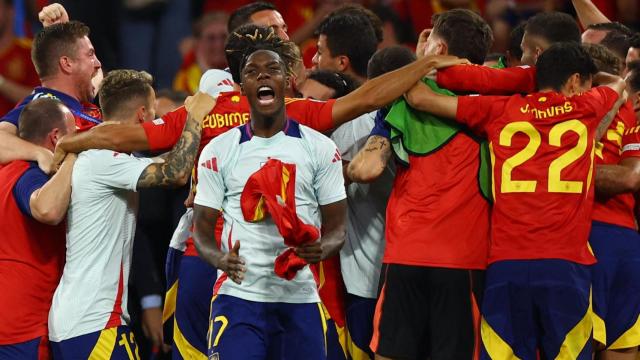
x=176, y=168
x=369, y=162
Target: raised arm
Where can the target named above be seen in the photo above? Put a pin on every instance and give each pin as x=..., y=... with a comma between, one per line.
x=176, y=169
x=13, y=148
x=588, y=13
x=488, y=81
x=49, y=204
x=382, y=90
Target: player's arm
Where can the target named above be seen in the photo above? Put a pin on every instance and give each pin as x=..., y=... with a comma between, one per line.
x=612, y=180
x=13, y=148
x=617, y=84
x=422, y=98
x=49, y=204
x=588, y=13
x=124, y=138
x=382, y=90
x=204, y=221
x=175, y=170
x=488, y=81
x=333, y=234
x=370, y=161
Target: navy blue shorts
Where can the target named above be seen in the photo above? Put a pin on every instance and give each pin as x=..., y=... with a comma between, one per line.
x=35, y=349
x=360, y=312
x=117, y=343
x=242, y=329
x=537, y=306
x=616, y=285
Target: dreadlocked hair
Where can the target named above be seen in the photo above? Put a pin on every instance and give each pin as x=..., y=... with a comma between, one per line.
x=250, y=38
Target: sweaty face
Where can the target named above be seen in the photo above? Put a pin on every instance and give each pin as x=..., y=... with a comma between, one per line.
x=315, y=90
x=272, y=19
x=322, y=59
x=85, y=66
x=263, y=82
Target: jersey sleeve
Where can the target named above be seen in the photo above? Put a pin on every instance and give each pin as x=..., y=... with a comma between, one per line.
x=13, y=115
x=380, y=127
x=163, y=133
x=478, y=111
x=32, y=180
x=315, y=114
x=328, y=181
x=210, y=189
x=599, y=99
x=118, y=170
x=488, y=81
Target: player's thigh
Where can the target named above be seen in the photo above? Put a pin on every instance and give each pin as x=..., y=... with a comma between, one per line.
x=562, y=297
x=237, y=329
x=117, y=343
x=304, y=329
x=453, y=311
x=196, y=279
x=507, y=326
x=401, y=315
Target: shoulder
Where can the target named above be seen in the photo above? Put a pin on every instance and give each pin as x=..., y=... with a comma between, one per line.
x=226, y=140
x=316, y=139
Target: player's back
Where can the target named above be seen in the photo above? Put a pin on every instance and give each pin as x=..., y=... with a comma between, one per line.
x=542, y=148
x=92, y=294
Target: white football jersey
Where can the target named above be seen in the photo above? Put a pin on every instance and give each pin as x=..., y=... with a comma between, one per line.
x=224, y=167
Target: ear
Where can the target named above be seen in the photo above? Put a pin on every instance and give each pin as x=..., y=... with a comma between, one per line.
x=538, y=52
x=53, y=136
x=442, y=48
x=141, y=114
x=574, y=84
x=343, y=63
x=65, y=64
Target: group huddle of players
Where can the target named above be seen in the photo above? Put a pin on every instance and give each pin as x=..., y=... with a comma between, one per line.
x=411, y=206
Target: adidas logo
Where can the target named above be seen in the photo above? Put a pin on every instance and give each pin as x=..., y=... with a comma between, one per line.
x=211, y=164
x=336, y=156
x=226, y=82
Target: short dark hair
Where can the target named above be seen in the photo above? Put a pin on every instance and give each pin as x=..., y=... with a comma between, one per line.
x=39, y=117
x=242, y=15
x=350, y=34
x=612, y=26
x=466, y=33
x=515, y=40
x=617, y=42
x=340, y=83
x=121, y=88
x=389, y=59
x=53, y=42
x=359, y=10
x=554, y=27
x=604, y=58
x=633, y=76
x=247, y=39
x=560, y=61
x=634, y=41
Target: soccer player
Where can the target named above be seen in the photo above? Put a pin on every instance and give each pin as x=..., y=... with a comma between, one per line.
x=66, y=62
x=259, y=13
x=254, y=313
x=437, y=221
x=89, y=311
x=538, y=283
x=32, y=250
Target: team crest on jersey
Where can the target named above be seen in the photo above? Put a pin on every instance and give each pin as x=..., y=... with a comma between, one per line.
x=235, y=98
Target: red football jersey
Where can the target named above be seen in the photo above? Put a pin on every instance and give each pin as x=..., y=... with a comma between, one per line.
x=488, y=81
x=542, y=154
x=618, y=210
x=631, y=141
x=231, y=110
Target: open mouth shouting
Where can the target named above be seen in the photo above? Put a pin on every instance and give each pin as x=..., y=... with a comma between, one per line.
x=266, y=95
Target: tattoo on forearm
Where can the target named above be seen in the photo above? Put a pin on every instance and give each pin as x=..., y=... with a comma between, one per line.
x=377, y=143
x=178, y=162
x=606, y=120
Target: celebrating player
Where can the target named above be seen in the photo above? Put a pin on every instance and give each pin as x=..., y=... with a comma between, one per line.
x=538, y=282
